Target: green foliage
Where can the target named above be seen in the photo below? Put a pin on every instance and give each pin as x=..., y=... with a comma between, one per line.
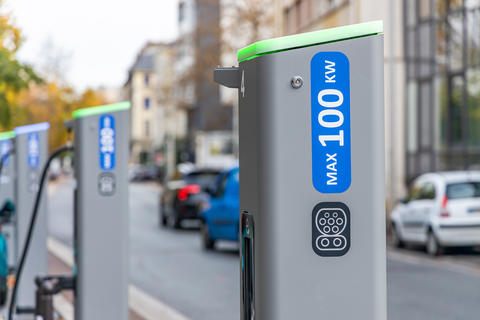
x=14, y=76
x=25, y=98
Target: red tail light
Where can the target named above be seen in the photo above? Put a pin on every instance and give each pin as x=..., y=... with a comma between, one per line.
x=444, y=213
x=187, y=190
x=444, y=201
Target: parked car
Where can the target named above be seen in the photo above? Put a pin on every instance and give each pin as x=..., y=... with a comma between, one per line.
x=181, y=199
x=442, y=210
x=139, y=173
x=220, y=214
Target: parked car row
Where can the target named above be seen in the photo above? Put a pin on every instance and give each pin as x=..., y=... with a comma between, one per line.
x=210, y=196
x=441, y=211
x=149, y=172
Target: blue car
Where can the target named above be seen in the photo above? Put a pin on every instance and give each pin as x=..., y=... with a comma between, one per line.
x=219, y=216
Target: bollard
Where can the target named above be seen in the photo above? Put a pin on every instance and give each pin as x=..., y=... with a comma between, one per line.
x=311, y=127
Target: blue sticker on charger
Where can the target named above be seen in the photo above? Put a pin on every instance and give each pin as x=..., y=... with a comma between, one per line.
x=33, y=150
x=106, y=142
x=331, y=149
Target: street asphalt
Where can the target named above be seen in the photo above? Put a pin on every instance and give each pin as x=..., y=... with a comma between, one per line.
x=172, y=267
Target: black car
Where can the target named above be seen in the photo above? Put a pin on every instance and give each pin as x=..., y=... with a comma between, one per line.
x=181, y=199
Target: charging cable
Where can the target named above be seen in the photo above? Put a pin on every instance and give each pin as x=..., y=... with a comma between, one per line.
x=18, y=274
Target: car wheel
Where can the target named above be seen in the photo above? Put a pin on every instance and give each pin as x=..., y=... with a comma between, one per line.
x=175, y=222
x=433, y=247
x=162, y=219
x=208, y=242
x=396, y=238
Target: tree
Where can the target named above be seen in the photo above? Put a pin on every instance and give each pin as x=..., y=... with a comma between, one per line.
x=245, y=22
x=53, y=103
x=14, y=76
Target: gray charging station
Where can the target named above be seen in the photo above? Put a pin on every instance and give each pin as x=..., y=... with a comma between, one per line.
x=101, y=211
x=312, y=198
x=31, y=153
x=7, y=192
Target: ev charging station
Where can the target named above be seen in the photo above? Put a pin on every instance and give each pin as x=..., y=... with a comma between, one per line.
x=312, y=198
x=31, y=152
x=101, y=211
x=7, y=192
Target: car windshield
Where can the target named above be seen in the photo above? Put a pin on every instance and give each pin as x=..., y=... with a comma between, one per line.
x=203, y=179
x=463, y=190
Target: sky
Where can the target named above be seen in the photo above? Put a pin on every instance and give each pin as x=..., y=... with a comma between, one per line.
x=96, y=40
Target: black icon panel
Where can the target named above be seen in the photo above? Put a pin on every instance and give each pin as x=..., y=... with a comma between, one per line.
x=331, y=229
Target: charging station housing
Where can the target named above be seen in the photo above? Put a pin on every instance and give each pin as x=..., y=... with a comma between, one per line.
x=312, y=198
x=31, y=153
x=101, y=211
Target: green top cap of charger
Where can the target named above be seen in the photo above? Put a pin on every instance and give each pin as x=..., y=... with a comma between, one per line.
x=7, y=135
x=301, y=40
x=84, y=112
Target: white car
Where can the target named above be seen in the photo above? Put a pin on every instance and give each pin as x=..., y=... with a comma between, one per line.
x=442, y=210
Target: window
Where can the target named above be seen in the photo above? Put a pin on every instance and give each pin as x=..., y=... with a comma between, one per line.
x=422, y=191
x=424, y=10
x=147, y=80
x=414, y=193
x=455, y=112
x=147, y=103
x=181, y=11
x=427, y=191
x=442, y=50
x=221, y=185
x=147, y=128
x=463, y=190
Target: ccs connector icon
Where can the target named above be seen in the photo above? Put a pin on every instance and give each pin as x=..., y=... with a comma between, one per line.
x=331, y=229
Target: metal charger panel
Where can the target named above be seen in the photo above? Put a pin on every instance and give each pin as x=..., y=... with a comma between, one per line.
x=31, y=153
x=101, y=215
x=291, y=279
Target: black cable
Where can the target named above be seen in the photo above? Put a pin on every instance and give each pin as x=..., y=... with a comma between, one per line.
x=33, y=218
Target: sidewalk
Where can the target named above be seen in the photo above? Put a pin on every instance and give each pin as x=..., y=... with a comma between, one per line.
x=64, y=303
x=145, y=307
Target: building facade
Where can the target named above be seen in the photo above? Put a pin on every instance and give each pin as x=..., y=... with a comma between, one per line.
x=198, y=52
x=156, y=123
x=295, y=16
x=442, y=50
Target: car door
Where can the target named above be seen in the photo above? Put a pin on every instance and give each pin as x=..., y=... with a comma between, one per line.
x=406, y=214
x=426, y=207
x=226, y=217
x=422, y=210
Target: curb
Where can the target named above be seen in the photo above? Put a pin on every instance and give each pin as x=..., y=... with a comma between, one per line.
x=139, y=301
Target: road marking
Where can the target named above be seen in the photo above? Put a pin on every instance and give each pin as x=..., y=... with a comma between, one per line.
x=150, y=308
x=63, y=307
x=439, y=263
x=139, y=301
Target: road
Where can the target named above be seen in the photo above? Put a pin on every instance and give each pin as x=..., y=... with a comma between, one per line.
x=169, y=265
x=172, y=267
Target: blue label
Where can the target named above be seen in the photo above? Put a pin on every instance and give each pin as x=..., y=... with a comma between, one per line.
x=33, y=150
x=106, y=142
x=331, y=151
x=5, y=147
